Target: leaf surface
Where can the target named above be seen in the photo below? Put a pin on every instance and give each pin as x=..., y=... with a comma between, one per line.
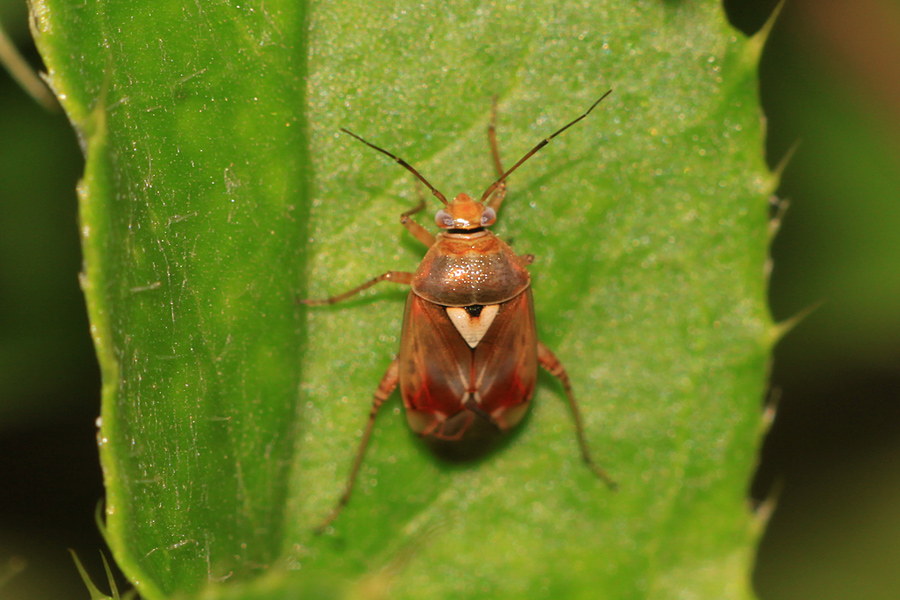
x=217, y=186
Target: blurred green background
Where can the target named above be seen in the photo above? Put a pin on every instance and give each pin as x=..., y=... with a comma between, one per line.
x=830, y=79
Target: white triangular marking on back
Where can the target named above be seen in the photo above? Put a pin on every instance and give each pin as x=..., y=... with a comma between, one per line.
x=472, y=329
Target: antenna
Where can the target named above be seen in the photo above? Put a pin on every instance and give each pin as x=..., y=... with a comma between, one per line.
x=408, y=167
x=543, y=143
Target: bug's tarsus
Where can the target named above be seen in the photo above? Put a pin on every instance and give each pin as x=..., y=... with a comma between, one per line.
x=534, y=150
x=401, y=277
x=549, y=361
x=415, y=209
x=403, y=164
x=419, y=232
x=526, y=259
x=385, y=389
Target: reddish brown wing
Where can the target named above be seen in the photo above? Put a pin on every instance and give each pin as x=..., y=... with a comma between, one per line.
x=439, y=371
x=435, y=365
x=505, y=362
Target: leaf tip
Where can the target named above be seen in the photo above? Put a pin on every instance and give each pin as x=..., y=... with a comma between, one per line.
x=774, y=179
x=779, y=330
x=757, y=42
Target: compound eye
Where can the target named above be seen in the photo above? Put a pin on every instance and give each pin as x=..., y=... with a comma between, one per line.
x=443, y=219
x=488, y=216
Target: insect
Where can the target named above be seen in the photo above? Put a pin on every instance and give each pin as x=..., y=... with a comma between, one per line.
x=469, y=350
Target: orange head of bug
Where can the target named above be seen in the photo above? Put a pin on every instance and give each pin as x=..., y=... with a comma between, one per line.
x=466, y=214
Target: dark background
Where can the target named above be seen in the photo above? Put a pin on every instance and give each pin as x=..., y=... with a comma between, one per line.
x=830, y=79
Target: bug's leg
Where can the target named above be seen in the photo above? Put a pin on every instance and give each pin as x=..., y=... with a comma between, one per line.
x=492, y=138
x=402, y=277
x=525, y=259
x=419, y=232
x=384, y=391
x=549, y=361
x=499, y=194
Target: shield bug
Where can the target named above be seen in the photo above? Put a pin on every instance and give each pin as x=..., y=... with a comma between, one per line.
x=469, y=351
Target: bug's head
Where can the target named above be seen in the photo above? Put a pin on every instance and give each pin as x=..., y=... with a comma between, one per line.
x=465, y=214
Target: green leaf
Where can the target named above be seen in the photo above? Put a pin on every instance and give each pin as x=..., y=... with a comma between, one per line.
x=217, y=185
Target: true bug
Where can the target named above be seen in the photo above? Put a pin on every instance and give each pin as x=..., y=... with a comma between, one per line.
x=469, y=350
